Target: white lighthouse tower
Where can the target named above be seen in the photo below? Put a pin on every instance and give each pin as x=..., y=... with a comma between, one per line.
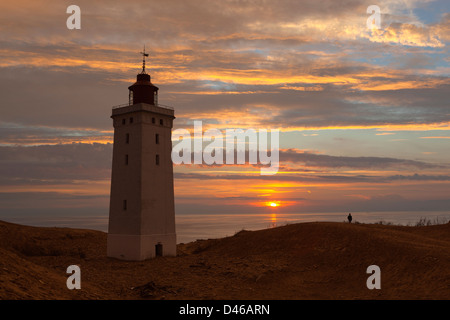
x=142, y=213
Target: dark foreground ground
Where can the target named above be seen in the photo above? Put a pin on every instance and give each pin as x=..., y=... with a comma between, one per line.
x=323, y=260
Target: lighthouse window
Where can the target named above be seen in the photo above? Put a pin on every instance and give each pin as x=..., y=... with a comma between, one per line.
x=123, y=121
x=161, y=121
x=157, y=159
x=153, y=120
x=157, y=138
x=124, y=204
x=131, y=120
x=127, y=139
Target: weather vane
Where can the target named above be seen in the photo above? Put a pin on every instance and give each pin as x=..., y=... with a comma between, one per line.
x=143, y=59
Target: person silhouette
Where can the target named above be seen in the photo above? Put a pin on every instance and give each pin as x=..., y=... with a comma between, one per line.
x=349, y=217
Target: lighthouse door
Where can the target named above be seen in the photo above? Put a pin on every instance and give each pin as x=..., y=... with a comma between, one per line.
x=159, y=250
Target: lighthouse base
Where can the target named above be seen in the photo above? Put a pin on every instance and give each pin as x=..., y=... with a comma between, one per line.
x=141, y=247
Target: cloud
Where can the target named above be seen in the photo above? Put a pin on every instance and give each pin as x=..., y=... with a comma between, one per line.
x=419, y=177
x=407, y=34
x=69, y=162
x=439, y=137
x=396, y=202
x=49, y=165
x=317, y=177
x=13, y=134
x=311, y=64
x=46, y=204
x=327, y=161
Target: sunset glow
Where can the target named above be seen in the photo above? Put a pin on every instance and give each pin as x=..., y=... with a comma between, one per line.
x=363, y=114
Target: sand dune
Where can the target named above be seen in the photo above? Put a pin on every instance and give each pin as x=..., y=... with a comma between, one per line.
x=323, y=260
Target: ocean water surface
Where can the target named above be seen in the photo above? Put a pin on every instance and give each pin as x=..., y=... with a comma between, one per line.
x=191, y=227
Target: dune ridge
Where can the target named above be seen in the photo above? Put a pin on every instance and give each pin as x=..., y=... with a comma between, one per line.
x=316, y=260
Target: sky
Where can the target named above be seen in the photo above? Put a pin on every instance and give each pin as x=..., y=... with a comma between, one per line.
x=363, y=114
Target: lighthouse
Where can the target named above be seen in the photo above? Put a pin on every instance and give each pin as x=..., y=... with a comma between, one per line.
x=142, y=213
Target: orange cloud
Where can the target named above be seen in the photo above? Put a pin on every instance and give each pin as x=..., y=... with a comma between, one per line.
x=443, y=137
x=407, y=34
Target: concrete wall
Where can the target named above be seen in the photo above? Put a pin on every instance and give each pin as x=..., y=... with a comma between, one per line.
x=147, y=187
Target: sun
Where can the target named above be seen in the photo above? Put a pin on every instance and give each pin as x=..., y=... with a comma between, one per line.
x=272, y=204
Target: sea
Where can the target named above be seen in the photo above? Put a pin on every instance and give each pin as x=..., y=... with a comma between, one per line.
x=192, y=227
